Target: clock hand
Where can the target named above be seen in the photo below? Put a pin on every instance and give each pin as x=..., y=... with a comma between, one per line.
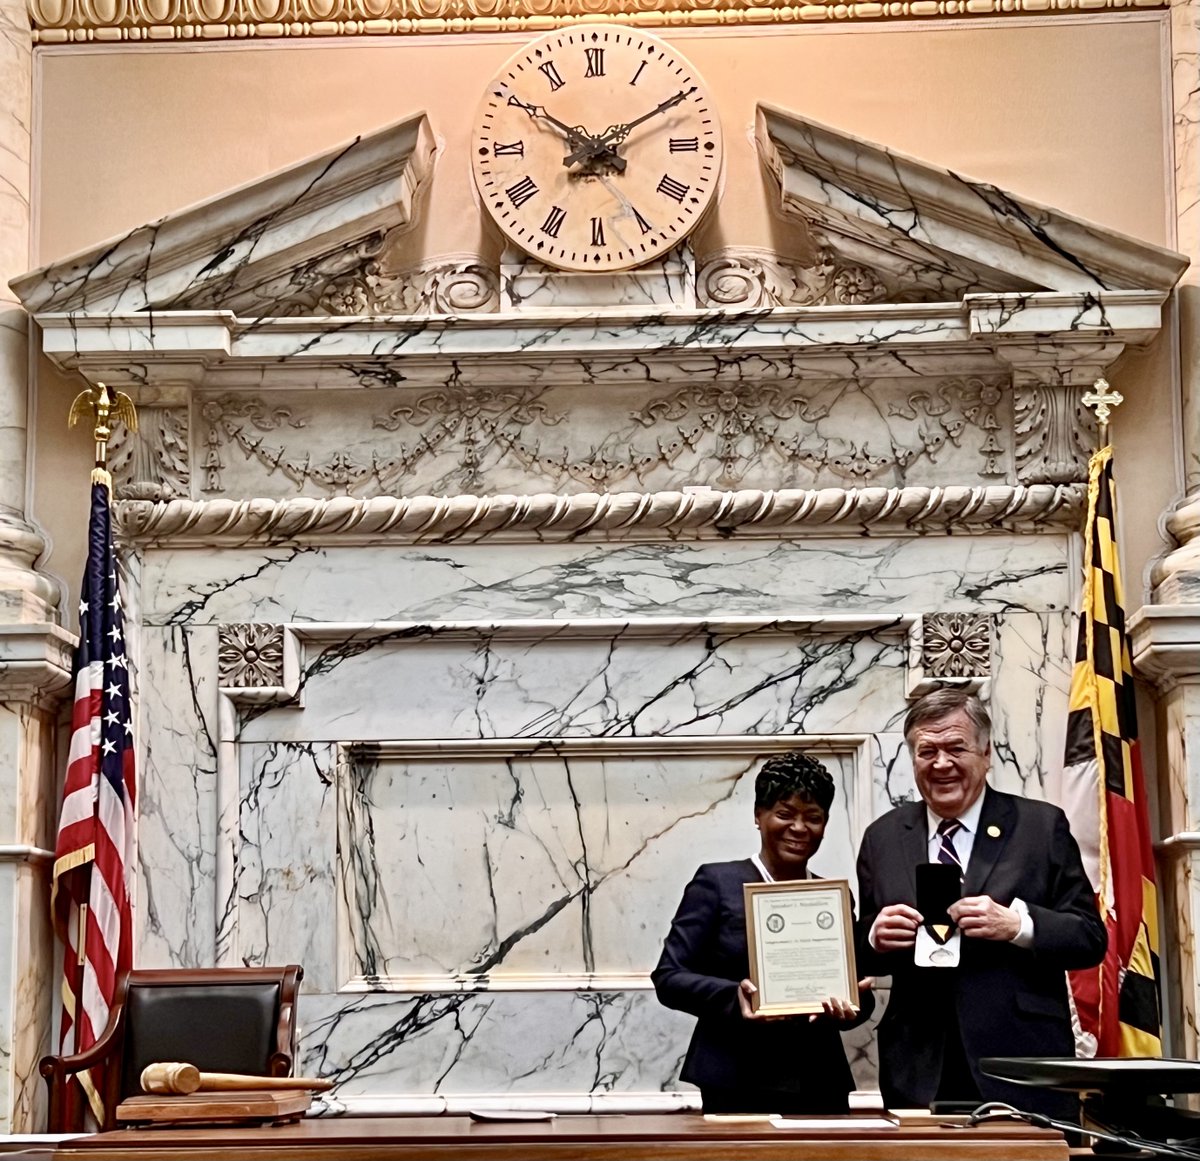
x=615, y=134
x=577, y=136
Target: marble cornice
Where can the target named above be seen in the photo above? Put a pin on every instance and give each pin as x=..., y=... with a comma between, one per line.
x=79, y=21
x=35, y=661
x=696, y=514
x=135, y=351
x=1165, y=641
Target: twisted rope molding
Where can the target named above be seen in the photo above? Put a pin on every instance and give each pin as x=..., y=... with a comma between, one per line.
x=613, y=516
x=75, y=21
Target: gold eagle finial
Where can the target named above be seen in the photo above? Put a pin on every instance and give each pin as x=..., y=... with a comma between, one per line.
x=105, y=407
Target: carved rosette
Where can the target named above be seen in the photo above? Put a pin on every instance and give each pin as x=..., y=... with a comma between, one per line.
x=956, y=645
x=250, y=656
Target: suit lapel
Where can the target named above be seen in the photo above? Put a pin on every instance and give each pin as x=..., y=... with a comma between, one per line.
x=995, y=829
x=914, y=839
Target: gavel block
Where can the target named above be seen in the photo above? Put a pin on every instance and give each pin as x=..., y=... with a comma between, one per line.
x=179, y=1079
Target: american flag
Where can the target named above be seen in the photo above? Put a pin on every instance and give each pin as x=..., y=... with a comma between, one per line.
x=94, y=857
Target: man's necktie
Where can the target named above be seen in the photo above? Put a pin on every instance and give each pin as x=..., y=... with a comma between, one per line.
x=946, y=830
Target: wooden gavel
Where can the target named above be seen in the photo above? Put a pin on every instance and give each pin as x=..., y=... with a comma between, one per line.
x=184, y=1079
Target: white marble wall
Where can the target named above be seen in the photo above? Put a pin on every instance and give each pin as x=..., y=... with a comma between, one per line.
x=474, y=818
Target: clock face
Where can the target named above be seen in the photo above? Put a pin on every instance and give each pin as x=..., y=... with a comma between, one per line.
x=596, y=148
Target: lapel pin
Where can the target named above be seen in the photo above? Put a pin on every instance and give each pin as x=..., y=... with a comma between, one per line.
x=993, y=832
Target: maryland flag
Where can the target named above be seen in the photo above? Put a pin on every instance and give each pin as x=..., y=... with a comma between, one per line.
x=1117, y=1003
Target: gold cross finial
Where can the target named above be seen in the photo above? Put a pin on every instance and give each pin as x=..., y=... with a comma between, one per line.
x=1102, y=398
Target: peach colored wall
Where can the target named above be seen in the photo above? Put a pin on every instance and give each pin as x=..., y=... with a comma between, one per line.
x=1069, y=111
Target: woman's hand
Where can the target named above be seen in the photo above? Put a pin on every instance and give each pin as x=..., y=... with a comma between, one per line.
x=746, y=989
x=834, y=1007
x=837, y=1008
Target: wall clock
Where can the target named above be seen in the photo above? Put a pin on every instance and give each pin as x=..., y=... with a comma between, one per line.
x=596, y=147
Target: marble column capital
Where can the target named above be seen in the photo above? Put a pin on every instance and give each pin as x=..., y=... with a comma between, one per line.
x=1175, y=579
x=35, y=661
x=27, y=597
x=1166, y=643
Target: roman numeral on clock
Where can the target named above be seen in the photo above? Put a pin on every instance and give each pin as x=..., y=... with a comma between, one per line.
x=554, y=221
x=638, y=73
x=597, y=231
x=552, y=75
x=672, y=188
x=520, y=193
x=643, y=225
x=685, y=144
x=595, y=62
x=515, y=149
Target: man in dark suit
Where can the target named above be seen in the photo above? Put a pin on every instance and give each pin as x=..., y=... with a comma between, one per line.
x=1027, y=915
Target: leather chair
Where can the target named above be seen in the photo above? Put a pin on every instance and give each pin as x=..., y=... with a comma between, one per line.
x=219, y=1019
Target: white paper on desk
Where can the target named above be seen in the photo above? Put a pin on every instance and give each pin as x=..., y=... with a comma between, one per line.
x=845, y=1124
x=38, y=1138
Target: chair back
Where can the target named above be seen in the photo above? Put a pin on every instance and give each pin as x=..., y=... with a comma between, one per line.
x=239, y=1019
x=224, y=1027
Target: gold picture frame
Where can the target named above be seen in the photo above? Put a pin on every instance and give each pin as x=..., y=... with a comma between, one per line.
x=800, y=934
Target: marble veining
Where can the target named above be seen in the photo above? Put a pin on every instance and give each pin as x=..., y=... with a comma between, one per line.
x=503, y=582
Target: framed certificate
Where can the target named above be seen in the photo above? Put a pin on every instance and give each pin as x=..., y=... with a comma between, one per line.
x=801, y=941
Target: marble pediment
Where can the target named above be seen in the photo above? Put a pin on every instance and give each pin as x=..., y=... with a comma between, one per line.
x=256, y=250
x=928, y=229
x=290, y=282
x=919, y=370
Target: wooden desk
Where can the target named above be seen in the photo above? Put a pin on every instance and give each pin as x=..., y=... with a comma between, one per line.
x=633, y=1137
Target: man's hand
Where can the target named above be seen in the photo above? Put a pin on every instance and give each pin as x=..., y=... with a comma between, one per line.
x=895, y=927
x=981, y=917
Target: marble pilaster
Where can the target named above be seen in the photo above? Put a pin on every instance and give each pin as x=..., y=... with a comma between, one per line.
x=1166, y=648
x=1166, y=633
x=1185, y=76
x=33, y=658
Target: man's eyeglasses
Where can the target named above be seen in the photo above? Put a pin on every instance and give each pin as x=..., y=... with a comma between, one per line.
x=954, y=753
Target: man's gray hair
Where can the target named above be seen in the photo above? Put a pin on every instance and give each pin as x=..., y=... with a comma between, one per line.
x=944, y=701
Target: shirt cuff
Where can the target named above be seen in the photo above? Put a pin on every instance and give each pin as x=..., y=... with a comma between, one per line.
x=871, y=935
x=1024, y=936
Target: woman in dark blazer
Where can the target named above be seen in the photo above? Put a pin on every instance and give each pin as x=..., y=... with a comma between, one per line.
x=743, y=1062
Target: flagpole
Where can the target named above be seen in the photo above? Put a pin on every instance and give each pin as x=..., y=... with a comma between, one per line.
x=1102, y=399
x=105, y=409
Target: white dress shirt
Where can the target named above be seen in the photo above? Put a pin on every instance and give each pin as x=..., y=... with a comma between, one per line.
x=964, y=843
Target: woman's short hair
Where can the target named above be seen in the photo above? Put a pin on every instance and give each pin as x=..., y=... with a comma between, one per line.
x=794, y=774
x=939, y=703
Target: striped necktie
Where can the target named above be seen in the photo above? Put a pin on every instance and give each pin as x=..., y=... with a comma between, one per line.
x=946, y=830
